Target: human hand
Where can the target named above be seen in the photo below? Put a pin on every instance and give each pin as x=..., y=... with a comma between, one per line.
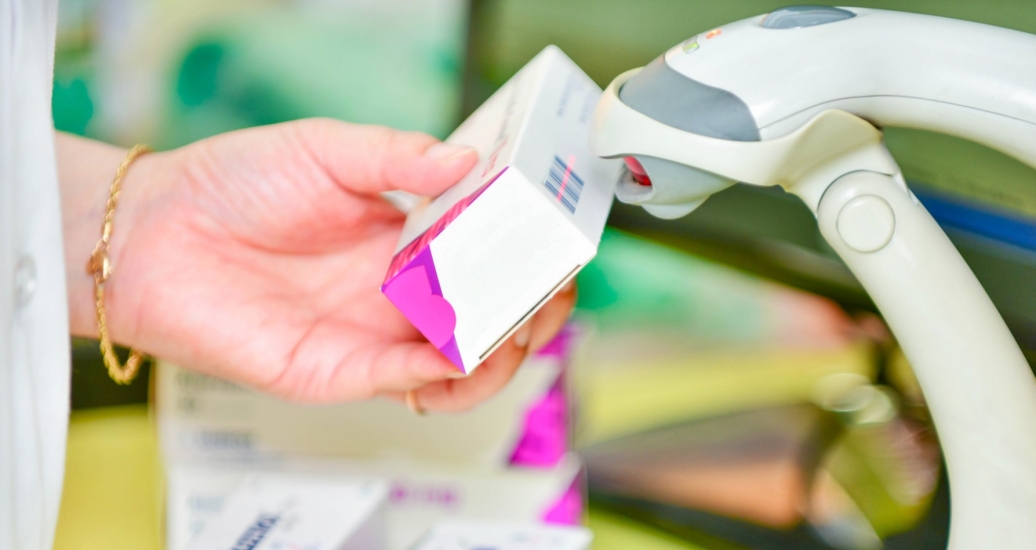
x=258, y=255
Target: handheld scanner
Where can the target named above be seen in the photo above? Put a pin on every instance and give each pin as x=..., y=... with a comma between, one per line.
x=795, y=98
x=765, y=77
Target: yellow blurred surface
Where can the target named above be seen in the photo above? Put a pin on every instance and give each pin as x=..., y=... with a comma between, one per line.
x=112, y=490
x=112, y=498
x=613, y=532
x=626, y=398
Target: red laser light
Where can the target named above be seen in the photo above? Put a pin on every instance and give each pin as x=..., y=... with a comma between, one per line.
x=639, y=174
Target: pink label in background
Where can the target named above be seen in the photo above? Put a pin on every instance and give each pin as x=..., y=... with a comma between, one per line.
x=561, y=346
x=408, y=494
x=545, y=432
x=545, y=436
x=568, y=510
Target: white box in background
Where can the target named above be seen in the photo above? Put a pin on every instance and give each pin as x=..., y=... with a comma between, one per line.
x=527, y=423
x=281, y=512
x=475, y=262
x=420, y=494
x=213, y=434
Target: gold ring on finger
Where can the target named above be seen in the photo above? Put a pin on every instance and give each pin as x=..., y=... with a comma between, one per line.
x=412, y=404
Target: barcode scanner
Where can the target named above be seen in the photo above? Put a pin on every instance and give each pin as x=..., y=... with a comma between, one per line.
x=797, y=98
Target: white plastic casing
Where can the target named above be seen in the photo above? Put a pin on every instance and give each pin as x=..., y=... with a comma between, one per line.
x=976, y=381
x=897, y=69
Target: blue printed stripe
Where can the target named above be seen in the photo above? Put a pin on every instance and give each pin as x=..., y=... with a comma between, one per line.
x=981, y=220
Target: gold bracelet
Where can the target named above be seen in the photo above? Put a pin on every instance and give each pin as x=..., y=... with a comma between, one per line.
x=101, y=268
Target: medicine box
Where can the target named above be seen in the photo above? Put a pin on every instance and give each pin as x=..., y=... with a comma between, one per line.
x=420, y=493
x=477, y=261
x=528, y=423
x=279, y=511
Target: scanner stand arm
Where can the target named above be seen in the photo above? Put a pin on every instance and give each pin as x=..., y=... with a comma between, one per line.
x=978, y=386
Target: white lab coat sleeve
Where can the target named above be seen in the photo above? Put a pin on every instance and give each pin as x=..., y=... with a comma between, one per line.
x=34, y=333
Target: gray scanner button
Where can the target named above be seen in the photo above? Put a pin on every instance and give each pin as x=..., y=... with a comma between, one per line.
x=796, y=17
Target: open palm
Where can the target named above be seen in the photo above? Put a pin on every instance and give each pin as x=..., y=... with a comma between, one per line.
x=258, y=256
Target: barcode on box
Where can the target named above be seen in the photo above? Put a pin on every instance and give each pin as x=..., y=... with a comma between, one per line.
x=563, y=183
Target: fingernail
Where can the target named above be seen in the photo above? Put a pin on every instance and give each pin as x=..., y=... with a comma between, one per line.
x=521, y=336
x=446, y=151
x=457, y=374
x=569, y=286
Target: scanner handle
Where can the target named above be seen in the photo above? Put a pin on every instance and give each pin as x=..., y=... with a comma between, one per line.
x=978, y=385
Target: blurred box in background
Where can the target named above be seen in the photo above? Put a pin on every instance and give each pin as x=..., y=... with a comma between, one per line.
x=526, y=424
x=420, y=493
x=508, y=460
x=299, y=511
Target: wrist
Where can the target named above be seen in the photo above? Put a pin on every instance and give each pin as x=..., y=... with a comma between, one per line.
x=86, y=170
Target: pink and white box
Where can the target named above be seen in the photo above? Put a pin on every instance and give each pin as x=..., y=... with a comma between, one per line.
x=477, y=261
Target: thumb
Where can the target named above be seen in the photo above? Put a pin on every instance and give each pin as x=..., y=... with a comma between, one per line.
x=374, y=159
